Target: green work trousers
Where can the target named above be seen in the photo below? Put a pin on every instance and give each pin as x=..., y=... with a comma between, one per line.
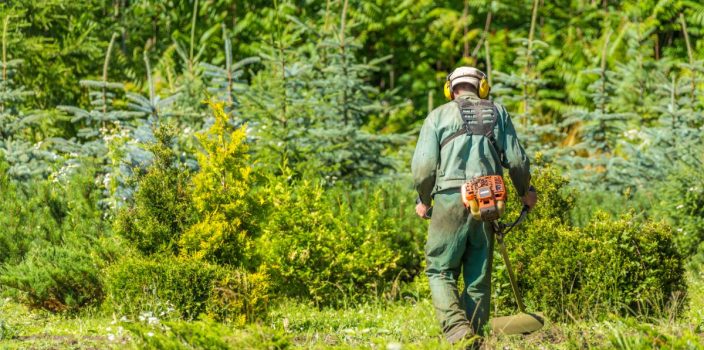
x=458, y=243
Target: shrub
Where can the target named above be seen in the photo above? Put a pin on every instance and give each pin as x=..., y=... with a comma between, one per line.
x=53, y=242
x=239, y=297
x=157, y=285
x=679, y=199
x=30, y=212
x=162, y=204
x=388, y=207
x=188, y=287
x=221, y=196
x=609, y=265
x=56, y=278
x=334, y=246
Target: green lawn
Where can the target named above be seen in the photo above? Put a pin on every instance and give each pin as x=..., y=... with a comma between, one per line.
x=384, y=325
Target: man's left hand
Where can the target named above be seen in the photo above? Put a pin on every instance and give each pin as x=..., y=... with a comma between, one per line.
x=422, y=210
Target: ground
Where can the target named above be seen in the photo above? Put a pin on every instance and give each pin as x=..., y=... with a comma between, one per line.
x=404, y=324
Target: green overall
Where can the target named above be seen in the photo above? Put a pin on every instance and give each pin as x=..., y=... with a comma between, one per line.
x=457, y=242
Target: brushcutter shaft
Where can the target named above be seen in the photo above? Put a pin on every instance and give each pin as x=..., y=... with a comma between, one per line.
x=511, y=276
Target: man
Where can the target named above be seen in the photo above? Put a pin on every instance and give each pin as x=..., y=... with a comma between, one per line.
x=461, y=140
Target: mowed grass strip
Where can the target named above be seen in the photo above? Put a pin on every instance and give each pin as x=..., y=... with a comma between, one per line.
x=404, y=324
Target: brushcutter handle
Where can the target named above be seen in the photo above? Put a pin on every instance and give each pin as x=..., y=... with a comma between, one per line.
x=522, y=216
x=525, y=210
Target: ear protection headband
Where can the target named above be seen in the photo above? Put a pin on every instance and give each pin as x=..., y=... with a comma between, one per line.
x=483, y=89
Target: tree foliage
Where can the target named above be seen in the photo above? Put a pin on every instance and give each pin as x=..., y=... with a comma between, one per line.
x=221, y=196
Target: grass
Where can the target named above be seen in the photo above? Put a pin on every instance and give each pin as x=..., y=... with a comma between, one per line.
x=406, y=324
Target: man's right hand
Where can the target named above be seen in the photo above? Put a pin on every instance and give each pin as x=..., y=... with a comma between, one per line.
x=530, y=198
x=422, y=210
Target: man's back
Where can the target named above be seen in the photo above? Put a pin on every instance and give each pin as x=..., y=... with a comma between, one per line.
x=465, y=157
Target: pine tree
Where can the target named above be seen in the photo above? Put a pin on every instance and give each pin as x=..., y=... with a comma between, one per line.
x=593, y=160
x=522, y=89
x=188, y=108
x=26, y=155
x=317, y=100
x=633, y=78
x=345, y=103
x=674, y=139
x=278, y=103
x=226, y=82
x=153, y=105
x=161, y=208
x=106, y=135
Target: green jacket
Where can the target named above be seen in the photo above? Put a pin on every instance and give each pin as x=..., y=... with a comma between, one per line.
x=466, y=156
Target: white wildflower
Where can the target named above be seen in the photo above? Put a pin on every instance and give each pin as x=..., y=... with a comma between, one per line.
x=632, y=134
x=106, y=180
x=394, y=346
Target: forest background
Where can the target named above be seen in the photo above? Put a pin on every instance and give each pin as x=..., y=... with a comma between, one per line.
x=228, y=174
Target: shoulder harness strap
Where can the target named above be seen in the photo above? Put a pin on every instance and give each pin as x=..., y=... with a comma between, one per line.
x=478, y=118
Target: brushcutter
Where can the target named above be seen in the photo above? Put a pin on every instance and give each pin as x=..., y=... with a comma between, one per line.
x=523, y=322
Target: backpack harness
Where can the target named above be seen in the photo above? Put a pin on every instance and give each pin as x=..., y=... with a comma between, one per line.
x=484, y=196
x=478, y=118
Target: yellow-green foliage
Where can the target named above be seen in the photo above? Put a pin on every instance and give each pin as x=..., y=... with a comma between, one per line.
x=221, y=195
x=239, y=297
x=188, y=287
x=331, y=245
x=607, y=266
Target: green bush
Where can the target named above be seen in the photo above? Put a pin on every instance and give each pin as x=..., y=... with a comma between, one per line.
x=56, y=278
x=337, y=245
x=162, y=204
x=388, y=207
x=679, y=199
x=53, y=242
x=622, y=265
x=159, y=285
x=30, y=212
x=187, y=287
x=239, y=297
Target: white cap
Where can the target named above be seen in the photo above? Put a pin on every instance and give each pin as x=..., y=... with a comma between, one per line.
x=466, y=74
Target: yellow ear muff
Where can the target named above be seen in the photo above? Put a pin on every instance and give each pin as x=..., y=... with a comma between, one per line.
x=484, y=88
x=448, y=91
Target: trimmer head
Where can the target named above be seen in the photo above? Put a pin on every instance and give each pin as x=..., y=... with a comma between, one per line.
x=522, y=323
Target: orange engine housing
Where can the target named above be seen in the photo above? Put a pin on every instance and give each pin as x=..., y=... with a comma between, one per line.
x=485, y=197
